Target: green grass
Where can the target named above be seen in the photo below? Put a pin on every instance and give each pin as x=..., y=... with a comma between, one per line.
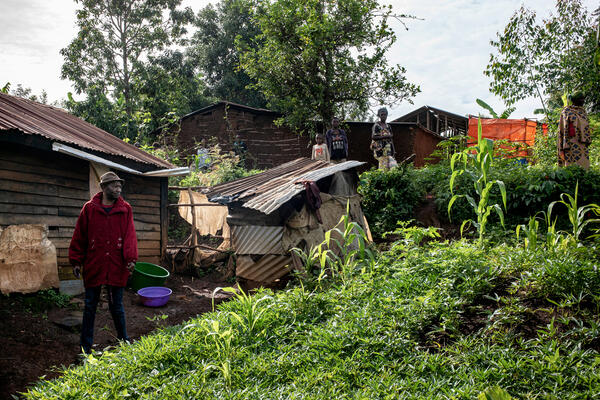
x=437, y=321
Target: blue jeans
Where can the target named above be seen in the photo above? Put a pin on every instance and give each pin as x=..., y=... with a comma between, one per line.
x=115, y=305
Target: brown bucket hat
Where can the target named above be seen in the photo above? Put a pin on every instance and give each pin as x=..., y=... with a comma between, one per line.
x=110, y=177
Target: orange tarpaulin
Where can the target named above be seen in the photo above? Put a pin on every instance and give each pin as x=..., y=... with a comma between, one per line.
x=520, y=131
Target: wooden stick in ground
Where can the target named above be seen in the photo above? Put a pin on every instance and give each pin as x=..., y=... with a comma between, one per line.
x=194, y=236
x=202, y=246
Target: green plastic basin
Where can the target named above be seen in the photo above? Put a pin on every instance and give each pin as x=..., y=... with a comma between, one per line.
x=147, y=274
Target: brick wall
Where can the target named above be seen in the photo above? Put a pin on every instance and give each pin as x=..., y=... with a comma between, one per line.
x=268, y=145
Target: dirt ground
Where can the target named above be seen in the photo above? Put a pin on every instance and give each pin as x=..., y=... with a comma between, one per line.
x=34, y=340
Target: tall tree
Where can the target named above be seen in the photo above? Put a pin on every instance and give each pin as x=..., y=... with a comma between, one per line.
x=318, y=58
x=168, y=86
x=555, y=55
x=115, y=38
x=213, y=47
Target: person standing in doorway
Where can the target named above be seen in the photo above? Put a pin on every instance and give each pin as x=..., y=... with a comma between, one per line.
x=574, y=136
x=382, y=142
x=104, y=250
x=337, y=142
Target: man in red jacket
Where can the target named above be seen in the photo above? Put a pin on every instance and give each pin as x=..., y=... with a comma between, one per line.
x=104, y=249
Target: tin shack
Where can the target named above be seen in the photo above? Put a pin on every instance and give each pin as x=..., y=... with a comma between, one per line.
x=269, y=213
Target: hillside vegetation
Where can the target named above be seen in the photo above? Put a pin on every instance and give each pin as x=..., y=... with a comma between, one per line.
x=420, y=320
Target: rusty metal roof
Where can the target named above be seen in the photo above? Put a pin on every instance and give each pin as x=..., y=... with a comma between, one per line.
x=269, y=190
x=58, y=125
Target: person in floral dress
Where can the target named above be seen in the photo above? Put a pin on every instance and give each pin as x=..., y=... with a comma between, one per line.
x=574, y=136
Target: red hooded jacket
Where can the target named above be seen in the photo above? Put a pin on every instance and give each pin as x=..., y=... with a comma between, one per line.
x=104, y=243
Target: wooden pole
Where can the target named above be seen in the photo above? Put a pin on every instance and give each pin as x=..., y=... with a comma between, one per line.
x=194, y=236
x=446, y=125
x=186, y=188
x=203, y=246
x=196, y=205
x=164, y=216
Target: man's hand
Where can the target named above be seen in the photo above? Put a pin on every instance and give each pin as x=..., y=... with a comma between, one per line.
x=131, y=266
x=77, y=271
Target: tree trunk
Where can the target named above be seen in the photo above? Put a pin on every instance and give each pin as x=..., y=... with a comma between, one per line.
x=126, y=74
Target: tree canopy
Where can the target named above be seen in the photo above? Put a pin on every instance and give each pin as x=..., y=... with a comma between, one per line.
x=546, y=57
x=115, y=41
x=214, y=51
x=309, y=60
x=315, y=59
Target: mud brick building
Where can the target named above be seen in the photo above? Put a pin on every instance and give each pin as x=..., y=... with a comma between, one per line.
x=269, y=145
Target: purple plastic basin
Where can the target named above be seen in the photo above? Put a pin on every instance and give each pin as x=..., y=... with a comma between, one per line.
x=154, y=296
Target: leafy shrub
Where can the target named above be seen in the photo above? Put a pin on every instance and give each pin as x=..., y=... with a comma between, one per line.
x=389, y=197
x=544, y=149
x=563, y=275
x=43, y=300
x=224, y=167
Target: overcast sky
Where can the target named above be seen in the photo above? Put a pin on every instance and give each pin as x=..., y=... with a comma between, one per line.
x=445, y=53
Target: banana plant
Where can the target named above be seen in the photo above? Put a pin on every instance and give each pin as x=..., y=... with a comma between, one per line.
x=504, y=115
x=477, y=162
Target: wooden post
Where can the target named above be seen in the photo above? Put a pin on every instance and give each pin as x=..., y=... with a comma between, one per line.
x=446, y=125
x=437, y=124
x=164, y=216
x=194, y=236
x=428, y=124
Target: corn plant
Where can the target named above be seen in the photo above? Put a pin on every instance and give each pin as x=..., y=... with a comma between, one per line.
x=531, y=232
x=554, y=239
x=220, y=340
x=577, y=215
x=352, y=247
x=250, y=313
x=313, y=260
x=340, y=255
x=476, y=162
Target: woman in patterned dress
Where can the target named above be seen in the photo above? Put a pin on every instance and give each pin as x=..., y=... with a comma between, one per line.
x=382, y=142
x=574, y=136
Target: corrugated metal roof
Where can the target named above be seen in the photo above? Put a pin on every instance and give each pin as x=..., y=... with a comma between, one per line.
x=269, y=190
x=234, y=105
x=55, y=124
x=267, y=269
x=249, y=239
